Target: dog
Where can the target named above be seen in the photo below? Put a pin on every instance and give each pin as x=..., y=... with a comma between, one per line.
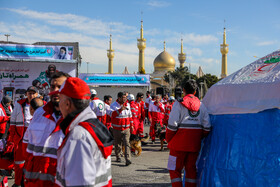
x=135, y=143
x=145, y=139
x=160, y=133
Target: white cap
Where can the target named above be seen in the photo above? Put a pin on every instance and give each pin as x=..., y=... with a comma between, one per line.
x=93, y=92
x=171, y=98
x=130, y=97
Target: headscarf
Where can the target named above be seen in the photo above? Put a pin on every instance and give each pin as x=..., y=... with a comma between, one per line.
x=5, y=100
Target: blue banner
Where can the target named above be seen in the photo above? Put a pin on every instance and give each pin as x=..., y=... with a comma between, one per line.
x=36, y=51
x=116, y=79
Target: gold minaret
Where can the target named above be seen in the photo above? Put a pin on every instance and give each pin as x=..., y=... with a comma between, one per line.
x=110, y=54
x=224, y=51
x=182, y=56
x=141, y=44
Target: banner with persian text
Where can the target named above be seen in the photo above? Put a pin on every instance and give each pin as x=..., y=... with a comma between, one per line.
x=17, y=76
x=36, y=51
x=116, y=79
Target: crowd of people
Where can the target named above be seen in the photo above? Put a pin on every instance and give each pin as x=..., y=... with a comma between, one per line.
x=68, y=140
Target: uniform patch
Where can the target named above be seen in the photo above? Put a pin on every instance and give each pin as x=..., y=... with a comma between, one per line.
x=194, y=114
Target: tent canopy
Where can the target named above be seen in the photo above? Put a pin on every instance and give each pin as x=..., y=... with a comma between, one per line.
x=251, y=89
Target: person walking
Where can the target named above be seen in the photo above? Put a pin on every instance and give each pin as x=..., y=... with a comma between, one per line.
x=156, y=110
x=122, y=124
x=84, y=157
x=188, y=123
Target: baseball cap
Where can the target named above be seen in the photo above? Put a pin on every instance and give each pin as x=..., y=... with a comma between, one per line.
x=75, y=88
x=32, y=89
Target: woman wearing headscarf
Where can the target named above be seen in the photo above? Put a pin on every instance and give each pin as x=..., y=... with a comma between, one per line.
x=5, y=114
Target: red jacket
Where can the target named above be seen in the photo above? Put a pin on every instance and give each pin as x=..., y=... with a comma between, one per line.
x=3, y=119
x=168, y=108
x=43, y=137
x=141, y=110
x=19, y=122
x=156, y=112
x=121, y=119
x=188, y=123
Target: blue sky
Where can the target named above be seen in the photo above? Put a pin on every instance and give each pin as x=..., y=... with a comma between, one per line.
x=253, y=28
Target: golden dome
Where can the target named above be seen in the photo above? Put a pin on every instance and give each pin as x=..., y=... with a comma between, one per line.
x=164, y=62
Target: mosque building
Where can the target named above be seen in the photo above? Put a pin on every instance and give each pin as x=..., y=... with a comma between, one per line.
x=164, y=62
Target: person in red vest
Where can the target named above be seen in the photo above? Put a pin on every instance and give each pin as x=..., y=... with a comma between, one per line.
x=42, y=138
x=134, y=111
x=167, y=110
x=122, y=124
x=188, y=123
x=156, y=109
x=141, y=114
x=108, y=101
x=84, y=157
x=20, y=120
x=5, y=114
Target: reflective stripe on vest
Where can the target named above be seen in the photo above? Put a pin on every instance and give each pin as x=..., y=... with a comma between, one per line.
x=39, y=175
x=19, y=162
x=41, y=149
x=189, y=126
x=114, y=125
x=190, y=180
x=176, y=180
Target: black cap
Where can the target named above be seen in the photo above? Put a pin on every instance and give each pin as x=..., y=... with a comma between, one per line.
x=32, y=89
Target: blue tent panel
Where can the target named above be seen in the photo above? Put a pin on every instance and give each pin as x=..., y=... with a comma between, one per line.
x=242, y=150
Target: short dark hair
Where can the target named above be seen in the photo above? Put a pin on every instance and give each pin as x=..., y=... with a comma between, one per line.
x=190, y=87
x=107, y=97
x=36, y=102
x=59, y=74
x=80, y=104
x=148, y=92
x=139, y=94
x=120, y=94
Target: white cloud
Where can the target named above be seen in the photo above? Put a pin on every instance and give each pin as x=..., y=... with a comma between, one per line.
x=265, y=43
x=158, y=4
x=93, y=38
x=77, y=23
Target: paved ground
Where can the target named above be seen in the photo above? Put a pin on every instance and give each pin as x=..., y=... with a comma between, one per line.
x=149, y=169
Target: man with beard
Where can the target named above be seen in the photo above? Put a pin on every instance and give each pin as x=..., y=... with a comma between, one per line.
x=20, y=120
x=40, y=168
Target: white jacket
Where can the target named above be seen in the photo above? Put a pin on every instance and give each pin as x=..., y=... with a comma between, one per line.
x=98, y=107
x=79, y=160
